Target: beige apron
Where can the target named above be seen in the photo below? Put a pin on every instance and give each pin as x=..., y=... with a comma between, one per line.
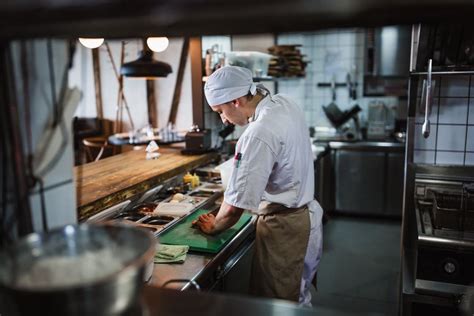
x=280, y=248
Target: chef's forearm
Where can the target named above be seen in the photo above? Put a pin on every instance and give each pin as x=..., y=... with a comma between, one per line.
x=228, y=215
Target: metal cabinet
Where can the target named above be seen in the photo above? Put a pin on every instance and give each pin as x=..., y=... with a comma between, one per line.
x=362, y=178
x=359, y=177
x=394, y=181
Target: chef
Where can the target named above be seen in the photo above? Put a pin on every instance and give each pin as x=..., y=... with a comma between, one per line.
x=272, y=177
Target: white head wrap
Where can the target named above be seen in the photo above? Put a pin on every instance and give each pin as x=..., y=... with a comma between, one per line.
x=227, y=84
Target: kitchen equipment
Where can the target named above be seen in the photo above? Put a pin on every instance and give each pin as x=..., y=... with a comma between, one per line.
x=445, y=242
x=339, y=118
x=197, y=141
x=184, y=234
x=75, y=270
x=255, y=61
x=109, y=212
x=453, y=210
x=381, y=120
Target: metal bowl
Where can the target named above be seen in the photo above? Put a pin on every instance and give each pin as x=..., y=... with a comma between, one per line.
x=75, y=270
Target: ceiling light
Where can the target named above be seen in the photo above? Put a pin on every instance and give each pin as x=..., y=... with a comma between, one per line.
x=157, y=44
x=91, y=42
x=145, y=67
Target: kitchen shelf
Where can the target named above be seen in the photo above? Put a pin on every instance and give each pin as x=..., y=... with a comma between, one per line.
x=447, y=72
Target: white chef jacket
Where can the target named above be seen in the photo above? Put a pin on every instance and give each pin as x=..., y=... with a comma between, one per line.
x=273, y=163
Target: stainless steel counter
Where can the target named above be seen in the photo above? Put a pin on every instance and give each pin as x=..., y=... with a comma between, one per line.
x=202, y=268
x=164, y=302
x=368, y=145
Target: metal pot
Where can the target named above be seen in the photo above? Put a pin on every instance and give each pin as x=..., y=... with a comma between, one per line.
x=75, y=270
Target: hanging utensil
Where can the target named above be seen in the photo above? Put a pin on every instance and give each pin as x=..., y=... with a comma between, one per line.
x=426, y=124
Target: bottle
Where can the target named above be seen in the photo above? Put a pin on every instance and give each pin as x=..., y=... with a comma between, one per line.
x=196, y=181
x=188, y=179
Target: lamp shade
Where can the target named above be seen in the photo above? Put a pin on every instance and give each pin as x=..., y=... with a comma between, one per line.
x=91, y=42
x=145, y=67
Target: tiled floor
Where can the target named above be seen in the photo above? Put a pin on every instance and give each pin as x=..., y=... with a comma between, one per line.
x=359, y=271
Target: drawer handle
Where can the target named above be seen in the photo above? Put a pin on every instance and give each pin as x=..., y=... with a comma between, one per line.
x=194, y=283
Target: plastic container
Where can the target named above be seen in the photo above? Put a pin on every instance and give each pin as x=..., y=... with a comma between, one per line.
x=255, y=61
x=225, y=169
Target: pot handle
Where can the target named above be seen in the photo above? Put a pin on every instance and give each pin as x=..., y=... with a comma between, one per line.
x=194, y=283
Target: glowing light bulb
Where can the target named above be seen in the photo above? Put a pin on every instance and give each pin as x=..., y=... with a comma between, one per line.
x=91, y=42
x=157, y=44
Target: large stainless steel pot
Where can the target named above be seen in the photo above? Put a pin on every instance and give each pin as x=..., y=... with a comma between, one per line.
x=75, y=270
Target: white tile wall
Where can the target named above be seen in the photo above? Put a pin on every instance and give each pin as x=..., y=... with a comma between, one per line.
x=424, y=156
x=453, y=143
x=471, y=111
x=455, y=86
x=469, y=159
x=470, y=139
x=451, y=137
x=332, y=53
x=449, y=158
x=453, y=110
x=425, y=143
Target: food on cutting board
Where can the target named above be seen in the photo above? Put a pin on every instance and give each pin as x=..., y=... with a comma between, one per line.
x=178, y=197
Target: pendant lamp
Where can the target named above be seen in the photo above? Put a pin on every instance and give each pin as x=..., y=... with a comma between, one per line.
x=145, y=67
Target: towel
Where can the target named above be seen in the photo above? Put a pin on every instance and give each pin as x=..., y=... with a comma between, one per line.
x=171, y=253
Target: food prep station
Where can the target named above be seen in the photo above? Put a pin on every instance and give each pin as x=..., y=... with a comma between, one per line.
x=166, y=206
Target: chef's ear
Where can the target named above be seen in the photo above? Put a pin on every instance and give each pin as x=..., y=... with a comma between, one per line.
x=237, y=102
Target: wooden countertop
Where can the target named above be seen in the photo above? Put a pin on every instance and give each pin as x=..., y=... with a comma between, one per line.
x=106, y=182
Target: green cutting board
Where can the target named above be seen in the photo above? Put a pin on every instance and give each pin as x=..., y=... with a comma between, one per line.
x=184, y=234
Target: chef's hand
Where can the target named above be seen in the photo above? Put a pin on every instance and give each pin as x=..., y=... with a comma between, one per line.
x=206, y=222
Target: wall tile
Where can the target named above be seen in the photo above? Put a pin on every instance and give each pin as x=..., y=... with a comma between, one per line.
x=470, y=138
x=424, y=156
x=348, y=52
x=359, y=52
x=360, y=38
x=471, y=111
x=453, y=110
x=319, y=53
x=341, y=75
x=425, y=143
x=346, y=38
x=455, y=86
x=451, y=137
x=449, y=158
x=319, y=40
x=296, y=39
x=331, y=39
x=469, y=159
